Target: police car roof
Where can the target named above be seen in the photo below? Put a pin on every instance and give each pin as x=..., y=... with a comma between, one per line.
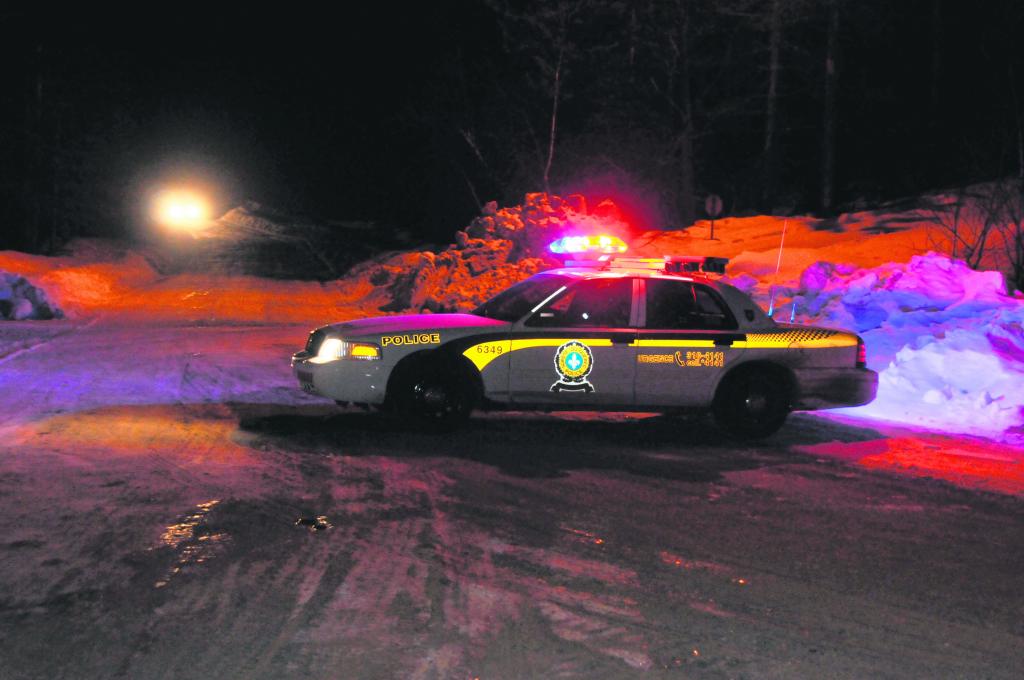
x=619, y=272
x=669, y=264
x=748, y=314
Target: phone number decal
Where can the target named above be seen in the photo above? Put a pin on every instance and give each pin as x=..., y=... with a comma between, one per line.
x=703, y=359
x=685, y=359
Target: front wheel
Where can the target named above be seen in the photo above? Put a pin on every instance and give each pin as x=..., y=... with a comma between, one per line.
x=434, y=397
x=751, y=404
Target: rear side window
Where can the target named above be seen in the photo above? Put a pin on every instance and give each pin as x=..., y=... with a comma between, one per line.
x=597, y=303
x=681, y=305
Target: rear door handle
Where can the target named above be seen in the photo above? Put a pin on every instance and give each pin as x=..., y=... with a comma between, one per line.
x=622, y=338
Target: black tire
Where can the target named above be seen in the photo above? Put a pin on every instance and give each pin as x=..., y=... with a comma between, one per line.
x=751, y=404
x=434, y=397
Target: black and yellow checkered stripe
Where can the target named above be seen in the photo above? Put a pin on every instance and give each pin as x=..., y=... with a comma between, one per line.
x=797, y=338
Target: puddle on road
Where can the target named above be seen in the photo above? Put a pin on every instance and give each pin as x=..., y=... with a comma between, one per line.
x=193, y=540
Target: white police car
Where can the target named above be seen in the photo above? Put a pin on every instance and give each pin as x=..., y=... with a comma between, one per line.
x=612, y=334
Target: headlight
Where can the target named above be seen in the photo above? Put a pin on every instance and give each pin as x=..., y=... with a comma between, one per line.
x=333, y=349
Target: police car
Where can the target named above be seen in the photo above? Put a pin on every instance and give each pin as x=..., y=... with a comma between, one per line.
x=611, y=333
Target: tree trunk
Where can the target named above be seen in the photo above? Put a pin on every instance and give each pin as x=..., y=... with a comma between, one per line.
x=828, y=151
x=633, y=32
x=687, y=168
x=34, y=179
x=770, y=163
x=557, y=88
x=1017, y=121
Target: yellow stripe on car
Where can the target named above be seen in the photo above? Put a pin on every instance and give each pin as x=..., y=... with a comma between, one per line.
x=484, y=353
x=680, y=342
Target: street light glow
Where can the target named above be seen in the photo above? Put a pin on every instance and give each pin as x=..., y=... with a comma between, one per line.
x=182, y=210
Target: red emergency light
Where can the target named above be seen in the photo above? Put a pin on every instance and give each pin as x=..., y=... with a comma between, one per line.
x=588, y=245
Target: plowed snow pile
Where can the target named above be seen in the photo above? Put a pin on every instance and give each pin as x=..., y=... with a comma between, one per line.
x=20, y=300
x=947, y=340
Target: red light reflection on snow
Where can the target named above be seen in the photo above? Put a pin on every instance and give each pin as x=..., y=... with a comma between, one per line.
x=968, y=463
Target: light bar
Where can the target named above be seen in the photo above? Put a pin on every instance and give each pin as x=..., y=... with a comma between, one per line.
x=695, y=263
x=576, y=245
x=672, y=264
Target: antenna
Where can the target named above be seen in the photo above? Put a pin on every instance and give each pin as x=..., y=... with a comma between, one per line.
x=778, y=265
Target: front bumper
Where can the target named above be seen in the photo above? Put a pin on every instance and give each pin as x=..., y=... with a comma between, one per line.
x=357, y=382
x=819, y=388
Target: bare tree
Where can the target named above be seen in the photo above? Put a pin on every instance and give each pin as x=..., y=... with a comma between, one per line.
x=672, y=81
x=769, y=149
x=936, y=61
x=546, y=31
x=1010, y=227
x=828, y=142
x=983, y=225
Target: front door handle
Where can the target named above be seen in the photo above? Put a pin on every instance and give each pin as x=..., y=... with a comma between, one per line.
x=727, y=340
x=622, y=338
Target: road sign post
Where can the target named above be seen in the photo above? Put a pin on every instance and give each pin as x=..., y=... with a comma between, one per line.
x=713, y=208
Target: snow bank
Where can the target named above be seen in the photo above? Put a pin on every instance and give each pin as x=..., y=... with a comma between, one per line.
x=20, y=300
x=103, y=278
x=497, y=249
x=947, y=341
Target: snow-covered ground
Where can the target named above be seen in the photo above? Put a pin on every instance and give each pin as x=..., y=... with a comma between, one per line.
x=156, y=454
x=947, y=340
x=159, y=485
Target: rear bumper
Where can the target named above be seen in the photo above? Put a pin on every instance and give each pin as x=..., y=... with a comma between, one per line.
x=819, y=388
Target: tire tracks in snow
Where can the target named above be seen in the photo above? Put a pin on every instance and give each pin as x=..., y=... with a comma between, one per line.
x=32, y=346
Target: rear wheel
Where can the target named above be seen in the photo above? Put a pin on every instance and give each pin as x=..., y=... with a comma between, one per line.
x=434, y=396
x=751, y=404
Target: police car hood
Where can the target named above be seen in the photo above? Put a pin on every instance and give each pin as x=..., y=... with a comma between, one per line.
x=388, y=325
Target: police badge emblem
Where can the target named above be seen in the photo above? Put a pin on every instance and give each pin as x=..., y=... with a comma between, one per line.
x=573, y=363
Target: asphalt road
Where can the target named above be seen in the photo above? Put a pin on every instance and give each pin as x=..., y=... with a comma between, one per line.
x=171, y=507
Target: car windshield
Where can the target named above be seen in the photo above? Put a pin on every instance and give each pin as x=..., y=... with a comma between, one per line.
x=516, y=302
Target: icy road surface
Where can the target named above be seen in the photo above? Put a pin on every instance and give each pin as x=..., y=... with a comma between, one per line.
x=172, y=507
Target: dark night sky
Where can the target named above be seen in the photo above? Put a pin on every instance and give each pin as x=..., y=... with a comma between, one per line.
x=346, y=116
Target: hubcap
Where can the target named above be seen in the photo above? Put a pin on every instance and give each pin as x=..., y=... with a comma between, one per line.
x=757, y=403
x=757, y=400
x=433, y=398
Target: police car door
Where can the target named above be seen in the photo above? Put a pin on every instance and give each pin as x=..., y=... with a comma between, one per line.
x=684, y=343
x=578, y=348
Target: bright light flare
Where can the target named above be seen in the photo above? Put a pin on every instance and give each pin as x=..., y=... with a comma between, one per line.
x=601, y=244
x=182, y=210
x=333, y=349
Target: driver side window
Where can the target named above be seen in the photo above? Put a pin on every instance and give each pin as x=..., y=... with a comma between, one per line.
x=597, y=303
